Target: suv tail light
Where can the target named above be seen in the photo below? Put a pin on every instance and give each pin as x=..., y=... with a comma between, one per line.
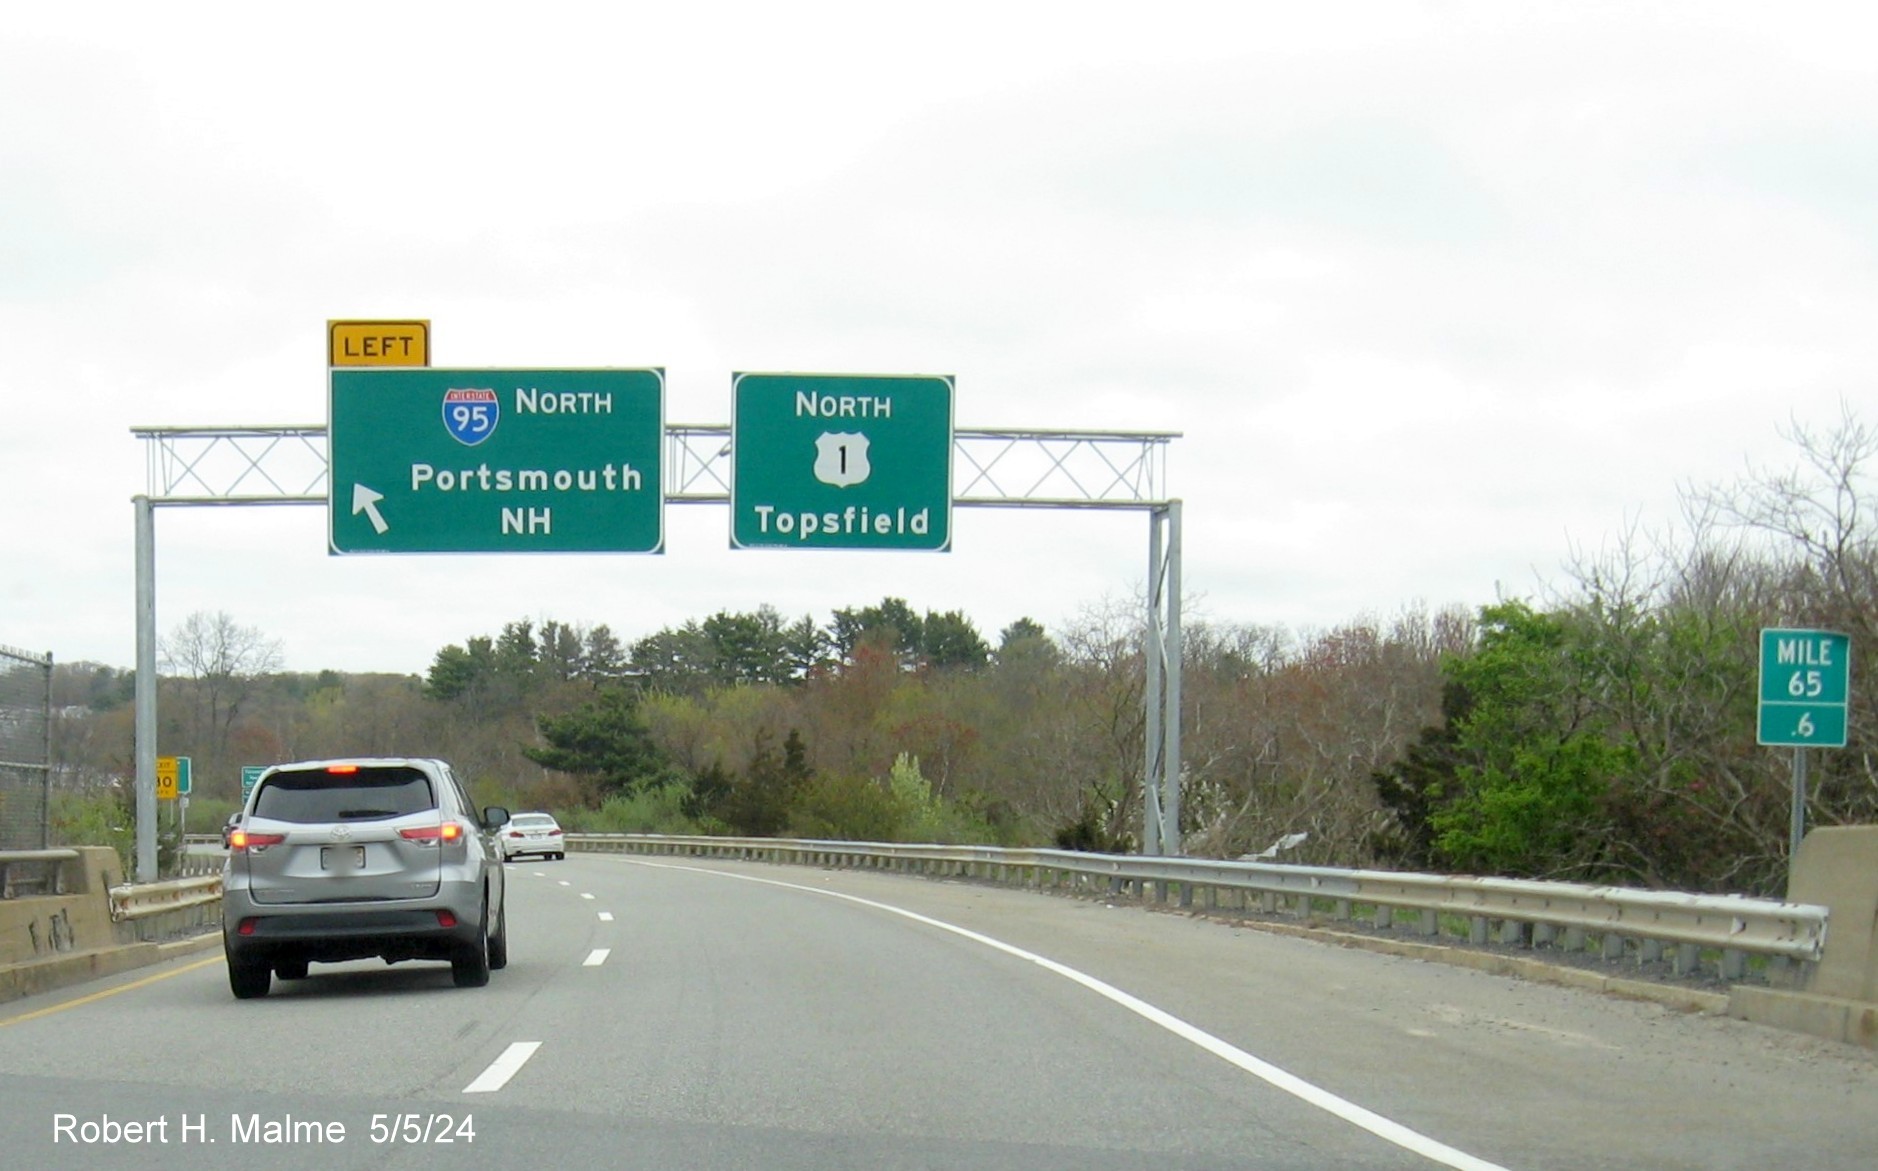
x=448, y=831
x=242, y=839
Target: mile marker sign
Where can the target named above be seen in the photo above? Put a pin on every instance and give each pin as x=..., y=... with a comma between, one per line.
x=1806, y=680
x=841, y=461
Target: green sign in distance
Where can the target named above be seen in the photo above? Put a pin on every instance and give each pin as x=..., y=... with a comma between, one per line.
x=250, y=773
x=496, y=461
x=1806, y=683
x=841, y=461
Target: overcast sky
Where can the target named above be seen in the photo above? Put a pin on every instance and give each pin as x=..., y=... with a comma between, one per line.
x=1436, y=292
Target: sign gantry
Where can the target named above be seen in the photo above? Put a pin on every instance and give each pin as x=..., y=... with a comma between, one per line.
x=958, y=468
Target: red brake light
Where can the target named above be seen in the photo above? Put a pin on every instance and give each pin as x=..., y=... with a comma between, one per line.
x=448, y=831
x=445, y=919
x=516, y=833
x=243, y=839
x=342, y=768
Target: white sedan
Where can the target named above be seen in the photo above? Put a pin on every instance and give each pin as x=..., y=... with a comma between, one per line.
x=532, y=833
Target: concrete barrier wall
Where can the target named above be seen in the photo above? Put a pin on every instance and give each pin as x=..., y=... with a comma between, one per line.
x=77, y=920
x=1838, y=869
x=55, y=940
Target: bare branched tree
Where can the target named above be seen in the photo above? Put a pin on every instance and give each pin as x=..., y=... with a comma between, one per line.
x=221, y=661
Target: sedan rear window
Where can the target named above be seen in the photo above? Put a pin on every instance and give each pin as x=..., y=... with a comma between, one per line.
x=367, y=794
x=532, y=821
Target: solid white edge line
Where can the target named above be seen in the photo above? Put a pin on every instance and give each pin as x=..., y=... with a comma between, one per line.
x=503, y=1068
x=1361, y=1117
x=596, y=957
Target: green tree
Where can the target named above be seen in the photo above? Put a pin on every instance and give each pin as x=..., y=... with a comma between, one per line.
x=1413, y=787
x=807, y=648
x=747, y=648
x=675, y=661
x=517, y=658
x=561, y=651
x=762, y=798
x=1026, y=640
x=459, y=671
x=1536, y=763
x=892, y=623
x=950, y=640
x=603, y=660
x=603, y=740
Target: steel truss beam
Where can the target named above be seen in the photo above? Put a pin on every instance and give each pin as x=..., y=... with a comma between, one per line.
x=991, y=468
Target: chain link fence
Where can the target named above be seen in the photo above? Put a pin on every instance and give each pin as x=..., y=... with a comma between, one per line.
x=25, y=750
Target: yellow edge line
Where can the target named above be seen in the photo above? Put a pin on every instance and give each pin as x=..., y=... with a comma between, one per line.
x=147, y=980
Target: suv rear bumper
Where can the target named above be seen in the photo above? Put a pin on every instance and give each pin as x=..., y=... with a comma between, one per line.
x=333, y=936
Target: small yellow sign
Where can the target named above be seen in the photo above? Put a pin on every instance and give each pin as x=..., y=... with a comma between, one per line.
x=167, y=772
x=378, y=343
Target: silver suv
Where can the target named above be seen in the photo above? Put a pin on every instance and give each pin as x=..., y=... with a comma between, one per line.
x=346, y=859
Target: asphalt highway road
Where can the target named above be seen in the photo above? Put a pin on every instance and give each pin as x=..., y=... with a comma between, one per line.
x=714, y=1015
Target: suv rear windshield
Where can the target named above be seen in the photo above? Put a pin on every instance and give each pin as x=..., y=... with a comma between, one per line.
x=369, y=794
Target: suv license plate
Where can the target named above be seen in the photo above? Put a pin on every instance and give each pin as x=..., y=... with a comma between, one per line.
x=342, y=857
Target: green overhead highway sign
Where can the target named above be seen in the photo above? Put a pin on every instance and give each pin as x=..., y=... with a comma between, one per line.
x=1806, y=679
x=496, y=461
x=841, y=461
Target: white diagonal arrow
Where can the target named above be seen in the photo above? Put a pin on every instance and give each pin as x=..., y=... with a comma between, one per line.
x=366, y=501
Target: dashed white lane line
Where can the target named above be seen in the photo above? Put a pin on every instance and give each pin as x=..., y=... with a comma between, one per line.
x=1387, y=1129
x=503, y=1068
x=596, y=957
x=565, y=882
x=585, y=895
x=606, y=916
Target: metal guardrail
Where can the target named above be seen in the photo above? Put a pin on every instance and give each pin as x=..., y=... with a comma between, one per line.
x=1619, y=920
x=33, y=872
x=142, y=900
